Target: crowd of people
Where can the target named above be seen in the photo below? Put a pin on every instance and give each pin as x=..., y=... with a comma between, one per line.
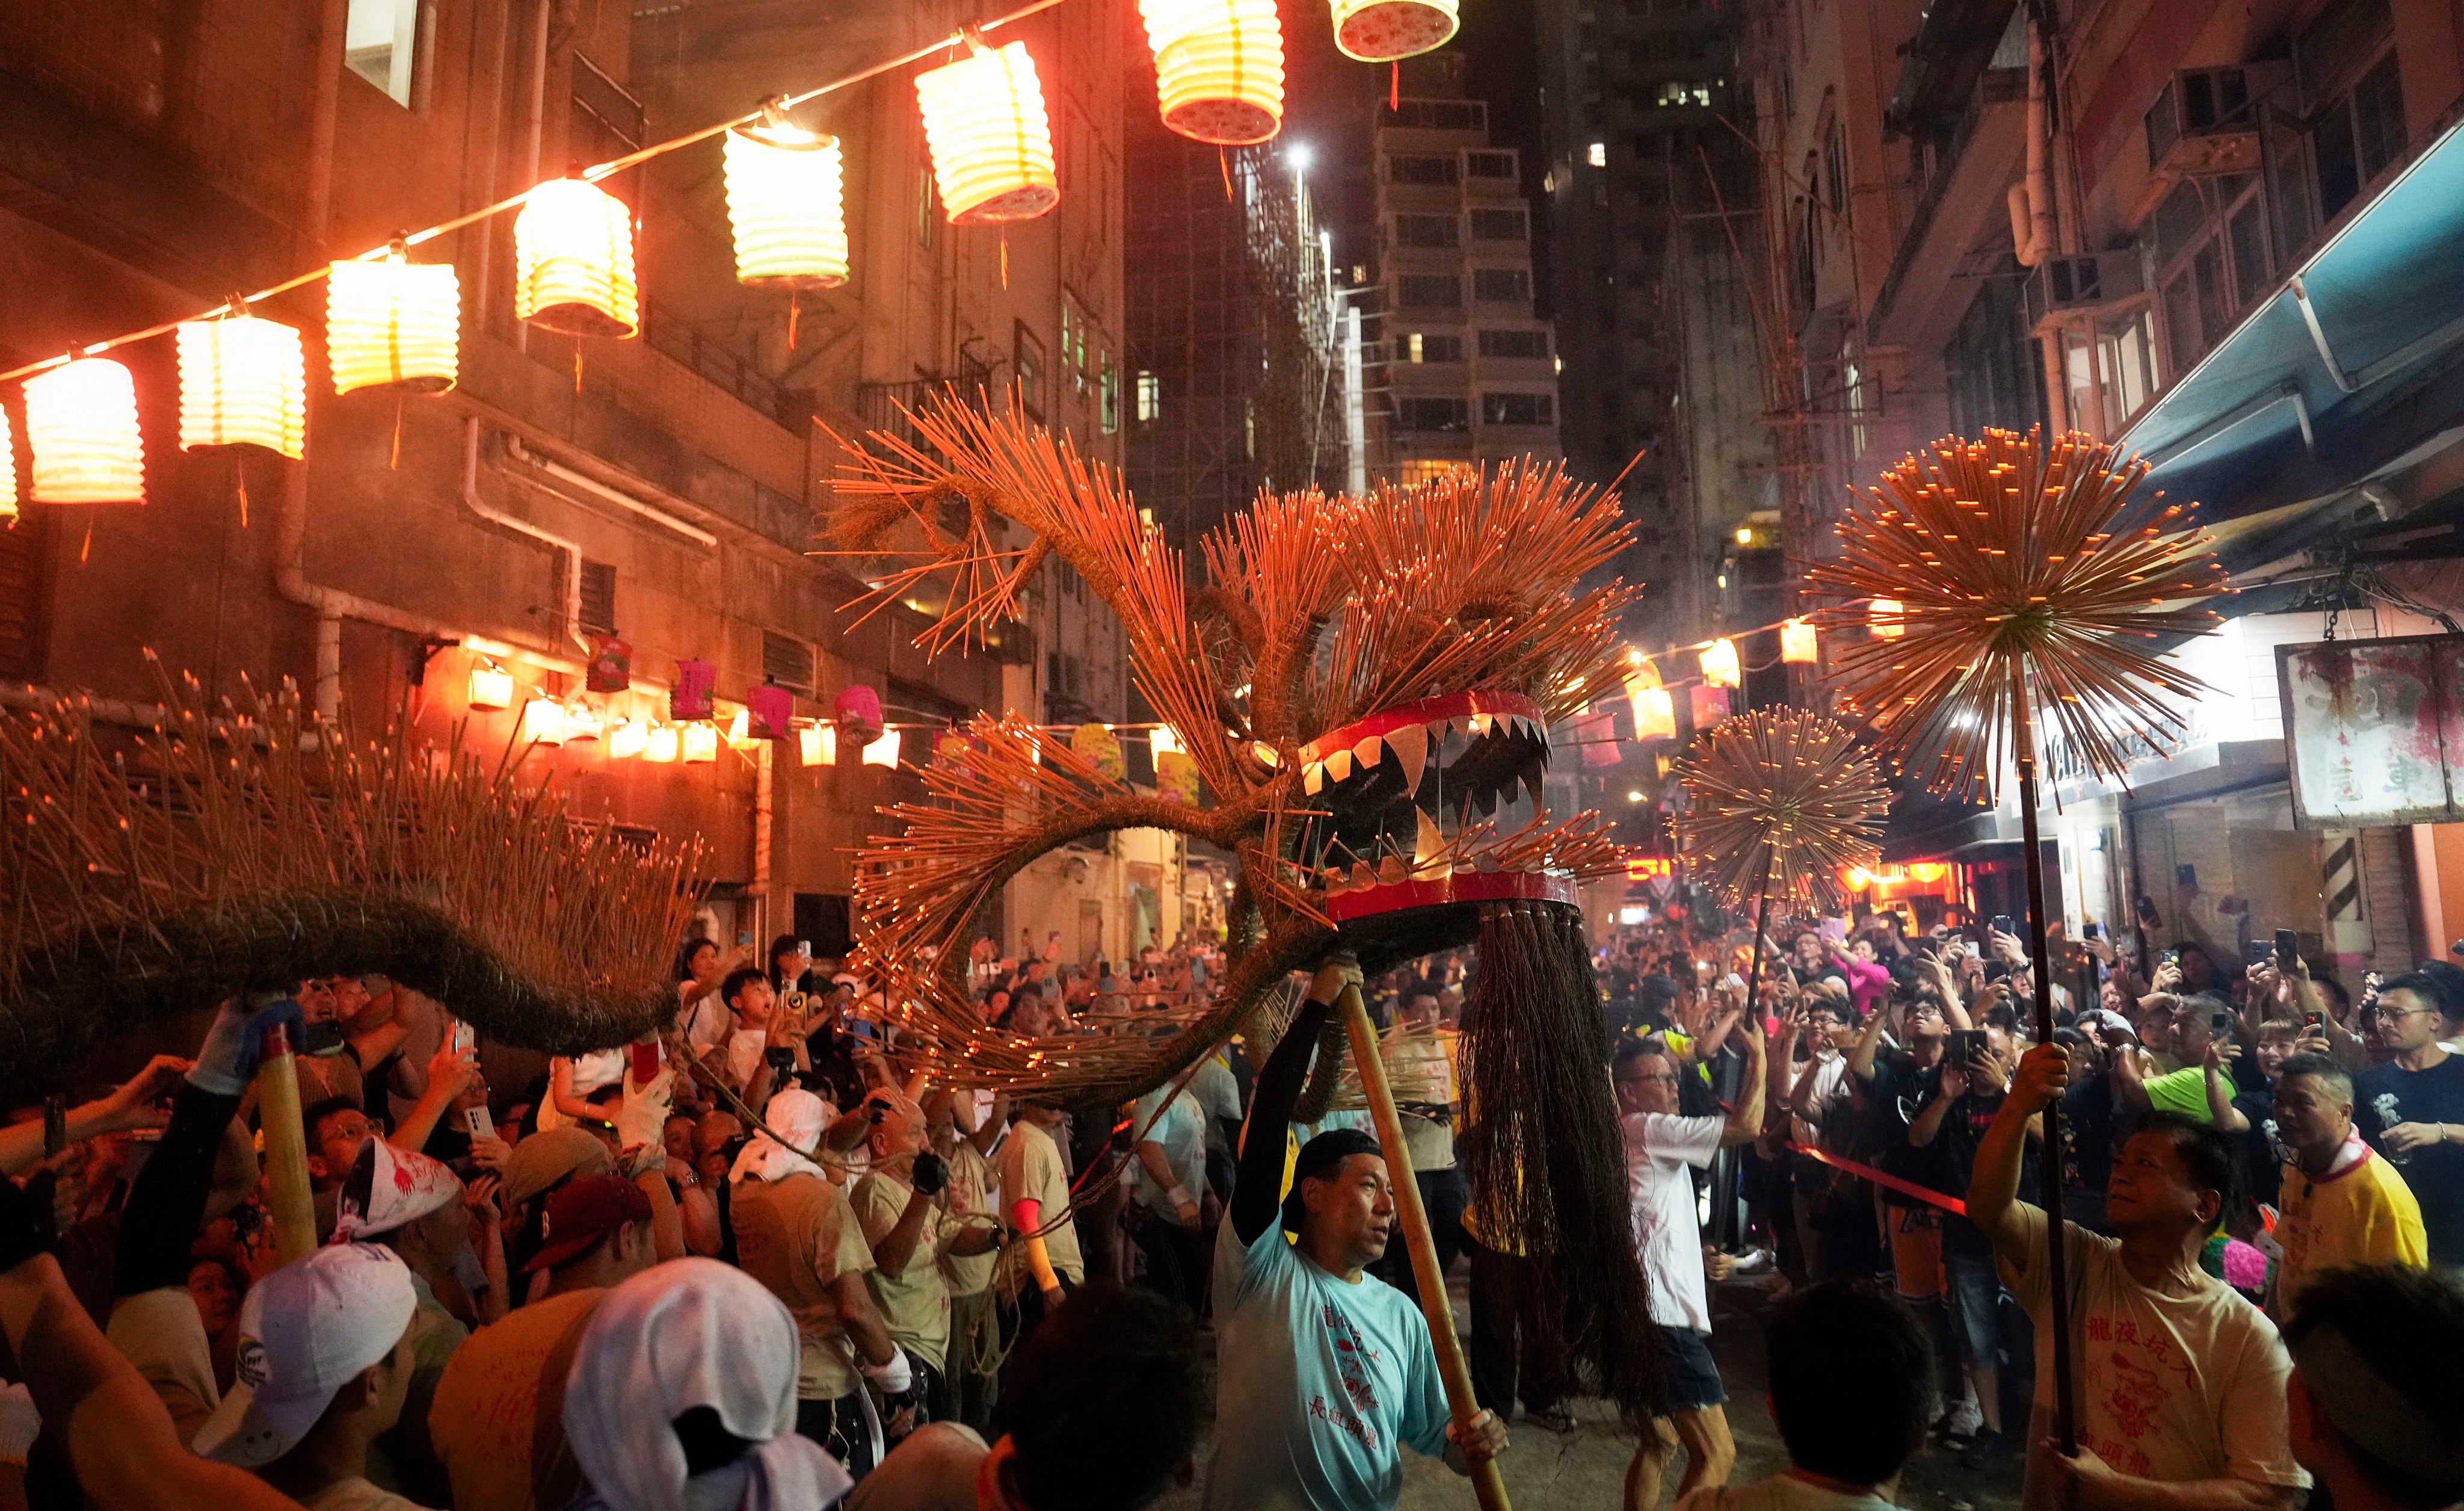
x=759, y=1261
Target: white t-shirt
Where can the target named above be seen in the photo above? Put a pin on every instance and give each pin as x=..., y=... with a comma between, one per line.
x=1182, y=1131
x=744, y=1048
x=2180, y=1381
x=1779, y=1493
x=1830, y=1084
x=1658, y=1146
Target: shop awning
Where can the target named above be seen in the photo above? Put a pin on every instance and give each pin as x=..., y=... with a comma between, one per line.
x=2336, y=372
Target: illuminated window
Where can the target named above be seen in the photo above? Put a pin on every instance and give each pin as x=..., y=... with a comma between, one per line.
x=1150, y=398
x=1421, y=346
x=1599, y=154
x=1108, y=396
x=1407, y=474
x=380, y=39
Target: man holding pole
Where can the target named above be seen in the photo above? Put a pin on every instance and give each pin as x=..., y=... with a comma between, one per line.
x=2179, y=1383
x=1326, y=1371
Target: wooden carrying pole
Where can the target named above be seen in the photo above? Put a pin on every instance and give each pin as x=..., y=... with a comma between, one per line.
x=286, y=1148
x=1413, y=1218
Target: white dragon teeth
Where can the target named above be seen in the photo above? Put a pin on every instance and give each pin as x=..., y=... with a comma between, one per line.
x=1365, y=754
x=1411, y=747
x=1362, y=875
x=1313, y=778
x=1391, y=869
x=1339, y=766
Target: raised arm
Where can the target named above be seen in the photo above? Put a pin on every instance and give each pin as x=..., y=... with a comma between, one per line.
x=1258, y=1195
x=1993, y=1202
x=1869, y=1041
x=1746, y=1118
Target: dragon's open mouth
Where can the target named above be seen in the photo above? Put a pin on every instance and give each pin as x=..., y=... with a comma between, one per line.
x=1416, y=806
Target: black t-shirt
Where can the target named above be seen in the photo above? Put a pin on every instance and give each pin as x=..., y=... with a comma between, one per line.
x=1962, y=1128
x=2386, y=1094
x=2087, y=1132
x=2262, y=1164
x=1901, y=1090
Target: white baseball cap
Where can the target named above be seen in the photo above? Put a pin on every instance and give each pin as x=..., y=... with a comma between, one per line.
x=304, y=1331
x=386, y=1187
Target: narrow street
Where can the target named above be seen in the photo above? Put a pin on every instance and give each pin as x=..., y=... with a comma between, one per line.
x=1585, y=1470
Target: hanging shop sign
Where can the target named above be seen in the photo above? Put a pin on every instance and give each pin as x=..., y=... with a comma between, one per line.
x=2374, y=730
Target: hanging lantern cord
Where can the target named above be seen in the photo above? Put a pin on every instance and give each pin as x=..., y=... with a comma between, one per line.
x=592, y=174
x=236, y=306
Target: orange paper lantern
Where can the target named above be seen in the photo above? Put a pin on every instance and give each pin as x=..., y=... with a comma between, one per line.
x=990, y=141
x=817, y=744
x=664, y=745
x=1887, y=619
x=1384, y=30
x=573, y=261
x=1219, y=68
x=7, y=471
x=243, y=382
x=786, y=200
x=1796, y=643
x=81, y=427
x=701, y=743
x=1720, y=668
x=883, y=751
x=394, y=323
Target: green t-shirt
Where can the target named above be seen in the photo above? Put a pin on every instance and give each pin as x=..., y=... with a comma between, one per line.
x=2184, y=1091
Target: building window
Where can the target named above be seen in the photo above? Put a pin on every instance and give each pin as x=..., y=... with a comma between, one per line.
x=787, y=661
x=1852, y=392
x=1424, y=230
x=1423, y=346
x=2360, y=135
x=1995, y=376
x=1442, y=115
x=2212, y=260
x=1835, y=170
x=1518, y=345
x=926, y=217
x=1490, y=164
x=1420, y=470
x=1413, y=167
x=1150, y=398
x=1426, y=413
x=1598, y=156
x=1429, y=291
x=1108, y=396
x=380, y=39
x=607, y=122
x=1678, y=93
x=1499, y=225
x=1500, y=285
x=598, y=598
x=1026, y=361
x=2110, y=370
x=1517, y=409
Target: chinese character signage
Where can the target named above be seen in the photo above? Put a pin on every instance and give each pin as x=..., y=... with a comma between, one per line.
x=2374, y=731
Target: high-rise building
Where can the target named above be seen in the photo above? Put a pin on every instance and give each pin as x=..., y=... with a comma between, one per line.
x=1235, y=380
x=1459, y=370
x=1658, y=256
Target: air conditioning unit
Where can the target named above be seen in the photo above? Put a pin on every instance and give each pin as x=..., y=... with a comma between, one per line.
x=2205, y=121
x=2060, y=287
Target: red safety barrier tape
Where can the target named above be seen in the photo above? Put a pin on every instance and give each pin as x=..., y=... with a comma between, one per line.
x=1881, y=1178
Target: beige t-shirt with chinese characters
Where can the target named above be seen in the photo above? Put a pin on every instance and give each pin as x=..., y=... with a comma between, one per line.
x=796, y=1235
x=969, y=1195
x=914, y=1300
x=1031, y=1170
x=2178, y=1381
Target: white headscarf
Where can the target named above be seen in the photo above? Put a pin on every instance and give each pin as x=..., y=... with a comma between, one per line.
x=685, y=1334
x=799, y=1116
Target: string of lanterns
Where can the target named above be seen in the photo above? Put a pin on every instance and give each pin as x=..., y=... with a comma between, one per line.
x=393, y=323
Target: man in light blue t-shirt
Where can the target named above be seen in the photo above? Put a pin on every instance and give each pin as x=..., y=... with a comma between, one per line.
x=1326, y=1373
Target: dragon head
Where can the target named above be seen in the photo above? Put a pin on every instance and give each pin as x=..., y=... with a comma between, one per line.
x=1364, y=685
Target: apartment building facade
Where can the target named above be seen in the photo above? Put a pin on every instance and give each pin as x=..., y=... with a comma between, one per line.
x=1459, y=370
x=2217, y=237
x=668, y=489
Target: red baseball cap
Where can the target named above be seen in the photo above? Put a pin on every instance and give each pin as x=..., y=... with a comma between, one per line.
x=581, y=1212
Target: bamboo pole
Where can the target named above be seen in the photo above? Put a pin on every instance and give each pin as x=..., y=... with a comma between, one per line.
x=1452, y=1371
x=286, y=1149
x=2058, y=1288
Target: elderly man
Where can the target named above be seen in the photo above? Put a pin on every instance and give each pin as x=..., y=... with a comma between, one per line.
x=1326, y=1370
x=911, y=1232
x=2343, y=1203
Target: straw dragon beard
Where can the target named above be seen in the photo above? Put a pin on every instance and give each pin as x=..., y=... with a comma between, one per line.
x=1361, y=690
